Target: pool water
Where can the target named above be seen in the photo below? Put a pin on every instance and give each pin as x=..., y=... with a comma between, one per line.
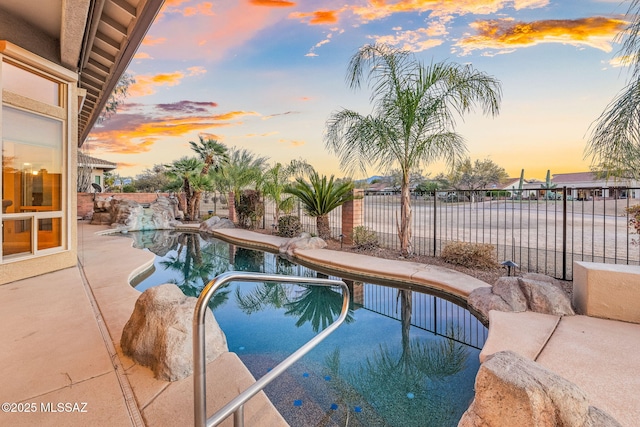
x=402, y=357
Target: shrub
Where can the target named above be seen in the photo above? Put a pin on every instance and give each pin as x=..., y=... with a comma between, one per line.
x=471, y=255
x=249, y=209
x=128, y=188
x=289, y=226
x=364, y=237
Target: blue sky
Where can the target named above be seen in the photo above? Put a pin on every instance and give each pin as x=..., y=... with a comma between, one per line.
x=266, y=74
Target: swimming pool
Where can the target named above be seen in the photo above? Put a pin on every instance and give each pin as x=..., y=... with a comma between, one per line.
x=402, y=358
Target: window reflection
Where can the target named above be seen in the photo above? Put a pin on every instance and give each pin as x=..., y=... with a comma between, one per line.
x=26, y=83
x=16, y=236
x=31, y=162
x=49, y=233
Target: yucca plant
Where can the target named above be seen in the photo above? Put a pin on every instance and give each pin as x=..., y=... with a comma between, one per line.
x=320, y=196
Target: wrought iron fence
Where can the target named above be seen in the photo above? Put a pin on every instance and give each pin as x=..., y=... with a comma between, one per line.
x=429, y=313
x=540, y=230
x=308, y=223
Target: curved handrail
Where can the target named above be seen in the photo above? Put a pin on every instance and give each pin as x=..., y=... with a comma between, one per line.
x=199, y=356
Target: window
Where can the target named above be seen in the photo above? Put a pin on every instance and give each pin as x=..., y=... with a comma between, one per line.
x=98, y=179
x=29, y=84
x=34, y=118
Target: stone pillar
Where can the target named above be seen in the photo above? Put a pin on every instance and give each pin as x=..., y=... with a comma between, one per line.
x=231, y=201
x=352, y=213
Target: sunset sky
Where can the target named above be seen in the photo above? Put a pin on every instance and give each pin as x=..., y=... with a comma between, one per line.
x=266, y=74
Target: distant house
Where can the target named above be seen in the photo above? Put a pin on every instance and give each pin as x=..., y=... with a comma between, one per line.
x=95, y=169
x=585, y=185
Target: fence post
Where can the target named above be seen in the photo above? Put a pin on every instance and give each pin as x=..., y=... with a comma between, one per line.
x=352, y=215
x=231, y=202
x=435, y=212
x=564, y=233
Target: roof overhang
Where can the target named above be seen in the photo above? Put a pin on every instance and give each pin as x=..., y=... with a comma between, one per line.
x=115, y=29
x=96, y=39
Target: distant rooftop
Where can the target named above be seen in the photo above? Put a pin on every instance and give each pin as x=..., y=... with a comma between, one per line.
x=85, y=160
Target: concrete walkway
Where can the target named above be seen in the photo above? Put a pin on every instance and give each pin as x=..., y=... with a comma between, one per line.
x=61, y=335
x=61, y=362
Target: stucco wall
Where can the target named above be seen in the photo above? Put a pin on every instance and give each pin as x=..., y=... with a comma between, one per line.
x=609, y=291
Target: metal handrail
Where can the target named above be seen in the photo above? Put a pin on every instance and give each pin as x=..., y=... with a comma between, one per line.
x=199, y=357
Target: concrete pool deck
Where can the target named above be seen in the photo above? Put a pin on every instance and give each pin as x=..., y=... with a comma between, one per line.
x=61, y=334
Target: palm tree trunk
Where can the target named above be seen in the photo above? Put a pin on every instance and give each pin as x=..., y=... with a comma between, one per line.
x=404, y=228
x=197, y=196
x=405, y=318
x=322, y=223
x=187, y=195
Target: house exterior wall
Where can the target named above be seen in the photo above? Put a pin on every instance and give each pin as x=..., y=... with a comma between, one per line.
x=64, y=255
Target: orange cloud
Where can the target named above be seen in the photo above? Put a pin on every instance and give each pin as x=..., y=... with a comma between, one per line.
x=205, y=8
x=273, y=3
x=293, y=143
x=196, y=71
x=319, y=17
x=507, y=34
x=137, y=133
x=145, y=85
x=379, y=9
x=123, y=165
x=142, y=55
x=211, y=136
x=152, y=41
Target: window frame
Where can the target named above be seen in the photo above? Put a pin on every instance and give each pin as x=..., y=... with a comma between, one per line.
x=63, y=112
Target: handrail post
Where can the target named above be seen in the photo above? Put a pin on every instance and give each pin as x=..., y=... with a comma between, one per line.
x=236, y=406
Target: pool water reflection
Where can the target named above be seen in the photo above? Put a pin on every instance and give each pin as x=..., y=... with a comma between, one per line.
x=402, y=358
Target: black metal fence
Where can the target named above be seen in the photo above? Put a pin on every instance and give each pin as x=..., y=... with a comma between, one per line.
x=541, y=230
x=308, y=223
x=428, y=313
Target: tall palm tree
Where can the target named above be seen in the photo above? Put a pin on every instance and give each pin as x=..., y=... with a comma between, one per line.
x=414, y=116
x=211, y=152
x=214, y=155
x=320, y=196
x=615, y=140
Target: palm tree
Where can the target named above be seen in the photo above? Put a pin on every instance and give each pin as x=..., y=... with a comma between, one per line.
x=413, y=120
x=212, y=154
x=242, y=170
x=318, y=305
x=615, y=141
x=186, y=170
x=275, y=181
x=320, y=196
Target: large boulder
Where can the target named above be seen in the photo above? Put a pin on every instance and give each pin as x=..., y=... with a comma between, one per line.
x=508, y=288
x=544, y=297
x=215, y=223
x=482, y=300
x=533, y=292
x=128, y=215
x=514, y=391
x=159, y=333
x=303, y=241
